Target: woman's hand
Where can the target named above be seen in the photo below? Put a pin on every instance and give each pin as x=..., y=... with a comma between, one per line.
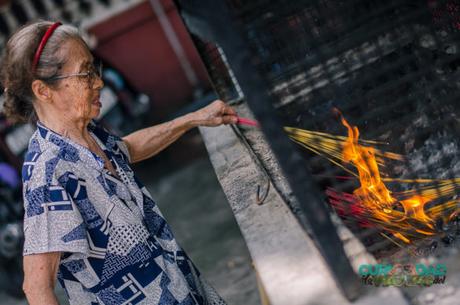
x=215, y=114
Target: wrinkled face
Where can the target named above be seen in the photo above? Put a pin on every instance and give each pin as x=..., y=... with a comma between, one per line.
x=77, y=96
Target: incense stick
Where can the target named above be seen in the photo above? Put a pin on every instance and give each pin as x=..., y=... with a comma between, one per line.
x=248, y=122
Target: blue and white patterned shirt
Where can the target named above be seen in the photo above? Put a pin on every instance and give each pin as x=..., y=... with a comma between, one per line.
x=116, y=247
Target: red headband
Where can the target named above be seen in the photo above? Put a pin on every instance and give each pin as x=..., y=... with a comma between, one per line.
x=42, y=44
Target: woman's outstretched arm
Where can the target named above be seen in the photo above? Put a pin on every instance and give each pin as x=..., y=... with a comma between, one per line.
x=147, y=142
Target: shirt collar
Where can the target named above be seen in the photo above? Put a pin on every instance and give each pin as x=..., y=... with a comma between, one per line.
x=70, y=148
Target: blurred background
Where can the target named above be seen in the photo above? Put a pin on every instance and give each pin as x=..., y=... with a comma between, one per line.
x=152, y=73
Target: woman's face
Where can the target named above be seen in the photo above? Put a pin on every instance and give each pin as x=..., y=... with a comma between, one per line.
x=78, y=96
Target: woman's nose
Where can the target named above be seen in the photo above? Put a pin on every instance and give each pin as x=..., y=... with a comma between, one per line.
x=98, y=83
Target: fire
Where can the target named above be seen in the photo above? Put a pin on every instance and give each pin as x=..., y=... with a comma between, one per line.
x=406, y=215
x=373, y=195
x=373, y=191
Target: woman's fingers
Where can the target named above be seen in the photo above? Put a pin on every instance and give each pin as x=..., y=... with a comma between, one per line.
x=229, y=110
x=229, y=119
x=223, y=108
x=218, y=113
x=224, y=119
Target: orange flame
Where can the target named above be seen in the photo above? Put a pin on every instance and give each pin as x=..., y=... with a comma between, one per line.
x=374, y=196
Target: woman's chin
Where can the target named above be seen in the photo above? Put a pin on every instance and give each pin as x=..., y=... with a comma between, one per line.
x=96, y=107
x=95, y=111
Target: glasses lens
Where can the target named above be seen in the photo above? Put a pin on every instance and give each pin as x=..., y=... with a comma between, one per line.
x=94, y=73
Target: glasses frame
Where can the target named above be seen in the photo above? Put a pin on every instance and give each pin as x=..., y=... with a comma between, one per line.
x=91, y=75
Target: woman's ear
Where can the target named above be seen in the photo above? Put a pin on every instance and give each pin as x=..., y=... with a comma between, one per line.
x=41, y=90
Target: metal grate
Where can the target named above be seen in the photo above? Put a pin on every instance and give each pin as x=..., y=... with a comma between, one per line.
x=216, y=64
x=391, y=67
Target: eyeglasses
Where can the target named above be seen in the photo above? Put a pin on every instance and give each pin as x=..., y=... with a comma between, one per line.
x=93, y=73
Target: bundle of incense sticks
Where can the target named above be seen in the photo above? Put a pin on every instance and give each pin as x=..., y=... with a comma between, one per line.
x=248, y=122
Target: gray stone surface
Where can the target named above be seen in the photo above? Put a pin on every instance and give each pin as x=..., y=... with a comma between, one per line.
x=290, y=267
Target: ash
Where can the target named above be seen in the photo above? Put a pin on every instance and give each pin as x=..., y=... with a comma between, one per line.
x=437, y=158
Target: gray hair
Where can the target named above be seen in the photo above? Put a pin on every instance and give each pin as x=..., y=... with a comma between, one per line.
x=16, y=71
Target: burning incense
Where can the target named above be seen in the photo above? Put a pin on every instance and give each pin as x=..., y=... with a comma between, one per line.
x=405, y=215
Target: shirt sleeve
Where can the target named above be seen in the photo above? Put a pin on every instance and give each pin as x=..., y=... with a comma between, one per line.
x=52, y=222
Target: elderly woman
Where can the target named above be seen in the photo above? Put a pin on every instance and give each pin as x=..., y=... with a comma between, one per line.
x=88, y=220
